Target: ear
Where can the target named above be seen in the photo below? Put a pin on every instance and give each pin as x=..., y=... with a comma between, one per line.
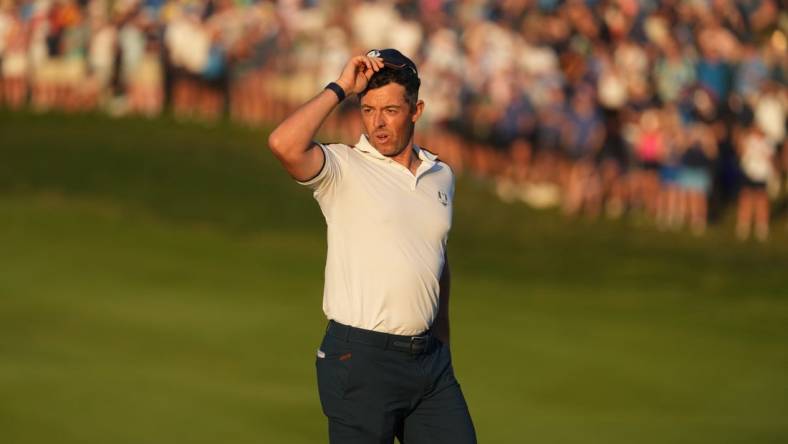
x=418, y=111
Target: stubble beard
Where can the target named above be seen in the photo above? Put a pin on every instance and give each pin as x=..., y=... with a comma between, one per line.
x=400, y=149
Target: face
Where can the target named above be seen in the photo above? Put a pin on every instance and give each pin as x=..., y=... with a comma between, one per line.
x=388, y=119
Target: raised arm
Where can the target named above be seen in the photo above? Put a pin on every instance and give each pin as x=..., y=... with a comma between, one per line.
x=291, y=141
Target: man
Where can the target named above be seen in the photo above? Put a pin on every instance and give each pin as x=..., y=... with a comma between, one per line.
x=384, y=366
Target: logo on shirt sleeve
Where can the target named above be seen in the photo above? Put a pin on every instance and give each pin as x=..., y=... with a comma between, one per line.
x=443, y=198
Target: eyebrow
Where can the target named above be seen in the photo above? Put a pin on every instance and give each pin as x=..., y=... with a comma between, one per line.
x=384, y=107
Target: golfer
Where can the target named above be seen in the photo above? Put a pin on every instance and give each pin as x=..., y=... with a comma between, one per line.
x=384, y=367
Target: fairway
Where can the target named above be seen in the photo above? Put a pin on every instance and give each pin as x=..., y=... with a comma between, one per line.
x=161, y=283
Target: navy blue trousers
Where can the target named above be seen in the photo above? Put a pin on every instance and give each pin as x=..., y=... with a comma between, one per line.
x=371, y=395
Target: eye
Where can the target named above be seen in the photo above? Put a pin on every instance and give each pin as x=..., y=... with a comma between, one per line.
x=391, y=111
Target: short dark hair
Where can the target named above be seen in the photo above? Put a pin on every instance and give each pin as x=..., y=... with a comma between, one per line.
x=404, y=77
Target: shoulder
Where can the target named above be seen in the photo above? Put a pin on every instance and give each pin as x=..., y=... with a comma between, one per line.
x=443, y=172
x=335, y=160
x=439, y=163
x=443, y=167
x=337, y=146
x=336, y=149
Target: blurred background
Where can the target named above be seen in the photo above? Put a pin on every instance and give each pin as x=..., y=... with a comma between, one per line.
x=620, y=241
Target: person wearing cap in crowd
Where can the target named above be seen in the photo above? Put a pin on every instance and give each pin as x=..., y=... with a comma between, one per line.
x=384, y=366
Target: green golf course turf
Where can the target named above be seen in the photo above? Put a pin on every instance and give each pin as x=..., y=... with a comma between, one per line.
x=161, y=283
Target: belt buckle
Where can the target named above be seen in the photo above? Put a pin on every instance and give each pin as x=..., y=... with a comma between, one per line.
x=418, y=341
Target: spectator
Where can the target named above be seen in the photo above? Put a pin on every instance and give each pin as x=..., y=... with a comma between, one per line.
x=695, y=175
x=756, y=157
x=13, y=57
x=582, y=136
x=620, y=105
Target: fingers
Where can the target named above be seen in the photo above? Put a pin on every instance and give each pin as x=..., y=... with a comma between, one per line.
x=373, y=64
x=356, y=68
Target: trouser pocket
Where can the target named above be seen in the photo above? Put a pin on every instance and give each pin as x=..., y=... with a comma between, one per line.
x=334, y=363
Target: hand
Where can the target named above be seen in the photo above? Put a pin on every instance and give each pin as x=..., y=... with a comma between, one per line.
x=357, y=72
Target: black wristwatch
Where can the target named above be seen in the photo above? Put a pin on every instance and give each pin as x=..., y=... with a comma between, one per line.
x=334, y=86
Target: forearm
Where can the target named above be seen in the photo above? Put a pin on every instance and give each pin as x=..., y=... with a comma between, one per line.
x=295, y=134
x=291, y=141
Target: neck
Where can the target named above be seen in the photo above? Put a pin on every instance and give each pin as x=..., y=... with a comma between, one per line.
x=408, y=158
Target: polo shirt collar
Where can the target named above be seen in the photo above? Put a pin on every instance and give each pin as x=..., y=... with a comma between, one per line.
x=425, y=155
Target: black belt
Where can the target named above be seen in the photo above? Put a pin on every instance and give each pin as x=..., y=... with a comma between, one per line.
x=409, y=344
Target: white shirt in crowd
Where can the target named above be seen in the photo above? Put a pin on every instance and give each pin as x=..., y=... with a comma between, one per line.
x=189, y=44
x=756, y=159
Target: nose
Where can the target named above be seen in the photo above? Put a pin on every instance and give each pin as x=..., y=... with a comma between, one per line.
x=379, y=121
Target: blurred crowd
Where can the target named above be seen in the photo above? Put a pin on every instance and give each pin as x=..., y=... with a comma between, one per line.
x=668, y=111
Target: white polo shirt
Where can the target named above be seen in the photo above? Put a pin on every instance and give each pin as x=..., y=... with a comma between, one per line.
x=387, y=232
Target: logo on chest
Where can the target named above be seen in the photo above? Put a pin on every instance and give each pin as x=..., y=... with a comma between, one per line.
x=443, y=198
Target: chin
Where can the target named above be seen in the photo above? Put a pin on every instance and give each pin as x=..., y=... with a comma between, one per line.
x=392, y=152
x=387, y=150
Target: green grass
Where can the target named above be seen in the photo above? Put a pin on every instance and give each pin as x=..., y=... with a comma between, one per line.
x=161, y=283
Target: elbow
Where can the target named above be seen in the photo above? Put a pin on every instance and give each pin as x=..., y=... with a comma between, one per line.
x=274, y=143
x=282, y=149
x=277, y=147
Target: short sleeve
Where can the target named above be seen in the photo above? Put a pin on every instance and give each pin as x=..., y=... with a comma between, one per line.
x=329, y=173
